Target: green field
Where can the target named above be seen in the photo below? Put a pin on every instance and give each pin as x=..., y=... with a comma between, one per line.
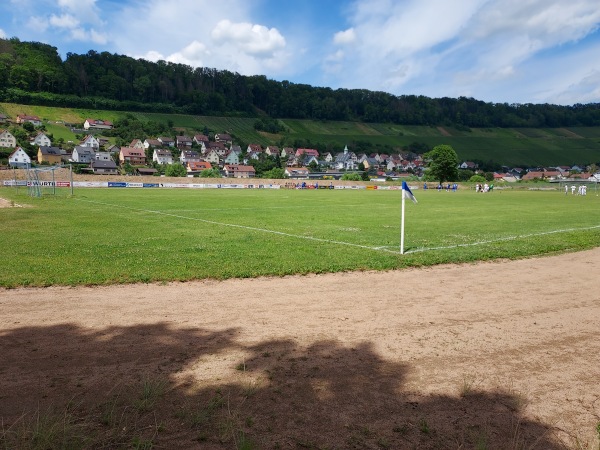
x=102, y=236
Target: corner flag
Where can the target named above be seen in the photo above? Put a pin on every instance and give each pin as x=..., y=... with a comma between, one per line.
x=406, y=192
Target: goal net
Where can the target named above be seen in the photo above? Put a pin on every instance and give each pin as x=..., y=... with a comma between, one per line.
x=53, y=180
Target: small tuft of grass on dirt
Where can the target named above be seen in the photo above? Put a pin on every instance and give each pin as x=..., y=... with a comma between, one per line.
x=468, y=385
x=152, y=390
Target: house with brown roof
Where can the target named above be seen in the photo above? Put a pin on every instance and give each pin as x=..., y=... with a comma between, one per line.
x=223, y=137
x=24, y=118
x=256, y=148
x=97, y=124
x=152, y=143
x=199, y=138
x=239, y=171
x=133, y=156
x=272, y=150
x=189, y=156
x=166, y=141
x=183, y=142
x=219, y=147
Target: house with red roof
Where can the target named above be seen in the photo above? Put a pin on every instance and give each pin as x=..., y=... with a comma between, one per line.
x=307, y=152
x=24, y=118
x=97, y=124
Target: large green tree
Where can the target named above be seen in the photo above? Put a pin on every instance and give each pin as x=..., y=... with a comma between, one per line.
x=442, y=163
x=175, y=170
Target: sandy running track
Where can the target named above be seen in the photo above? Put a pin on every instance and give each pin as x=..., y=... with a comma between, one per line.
x=505, y=353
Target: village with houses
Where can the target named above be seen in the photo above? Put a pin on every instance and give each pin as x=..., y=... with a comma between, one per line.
x=198, y=153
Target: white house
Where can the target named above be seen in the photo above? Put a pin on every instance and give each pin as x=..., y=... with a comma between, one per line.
x=41, y=140
x=90, y=142
x=137, y=143
x=83, y=154
x=189, y=156
x=7, y=139
x=97, y=124
x=212, y=157
x=162, y=156
x=19, y=159
x=24, y=118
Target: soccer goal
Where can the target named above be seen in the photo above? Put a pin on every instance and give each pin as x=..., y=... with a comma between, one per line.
x=51, y=180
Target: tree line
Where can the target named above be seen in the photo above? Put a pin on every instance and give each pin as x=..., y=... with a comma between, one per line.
x=34, y=73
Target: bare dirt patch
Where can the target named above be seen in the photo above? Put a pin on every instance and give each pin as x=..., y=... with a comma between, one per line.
x=443, y=131
x=569, y=133
x=8, y=204
x=493, y=355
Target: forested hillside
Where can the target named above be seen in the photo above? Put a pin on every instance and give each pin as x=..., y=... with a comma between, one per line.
x=34, y=73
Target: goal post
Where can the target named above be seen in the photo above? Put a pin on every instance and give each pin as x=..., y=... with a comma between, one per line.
x=52, y=180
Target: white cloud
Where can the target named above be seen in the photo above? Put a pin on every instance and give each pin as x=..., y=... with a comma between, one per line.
x=345, y=37
x=85, y=10
x=97, y=37
x=255, y=40
x=2, y=34
x=63, y=21
x=585, y=90
x=38, y=24
x=192, y=55
x=220, y=35
x=479, y=47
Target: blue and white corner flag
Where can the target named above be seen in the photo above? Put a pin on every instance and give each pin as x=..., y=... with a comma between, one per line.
x=407, y=192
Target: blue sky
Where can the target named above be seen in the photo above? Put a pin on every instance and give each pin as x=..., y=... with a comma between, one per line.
x=514, y=51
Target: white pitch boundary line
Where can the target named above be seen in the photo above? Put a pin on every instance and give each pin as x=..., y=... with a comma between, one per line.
x=263, y=230
x=509, y=238
x=261, y=208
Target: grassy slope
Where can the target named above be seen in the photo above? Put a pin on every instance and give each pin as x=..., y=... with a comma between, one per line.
x=128, y=235
x=513, y=147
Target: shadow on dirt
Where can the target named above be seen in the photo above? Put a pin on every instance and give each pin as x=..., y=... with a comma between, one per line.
x=164, y=387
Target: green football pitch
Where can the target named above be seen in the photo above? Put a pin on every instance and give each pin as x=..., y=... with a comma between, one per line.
x=112, y=235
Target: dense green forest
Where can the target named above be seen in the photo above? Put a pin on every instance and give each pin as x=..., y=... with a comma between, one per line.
x=34, y=73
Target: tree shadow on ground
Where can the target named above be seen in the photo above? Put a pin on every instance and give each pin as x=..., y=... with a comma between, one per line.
x=164, y=387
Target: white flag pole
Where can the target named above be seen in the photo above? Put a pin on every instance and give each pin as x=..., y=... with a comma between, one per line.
x=402, y=225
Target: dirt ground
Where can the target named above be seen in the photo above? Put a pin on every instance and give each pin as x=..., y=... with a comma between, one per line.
x=491, y=355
